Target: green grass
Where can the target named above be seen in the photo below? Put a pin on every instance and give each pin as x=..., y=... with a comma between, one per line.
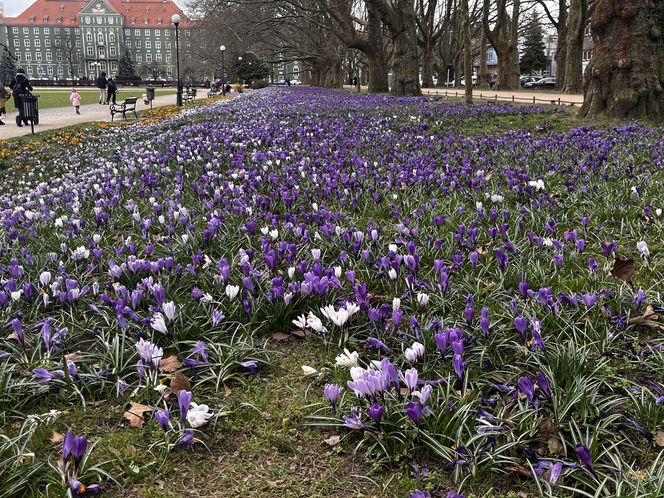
x=60, y=98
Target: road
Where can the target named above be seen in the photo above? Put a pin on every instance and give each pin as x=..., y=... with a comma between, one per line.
x=59, y=117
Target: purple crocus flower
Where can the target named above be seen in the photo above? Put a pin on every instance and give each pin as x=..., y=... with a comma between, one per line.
x=418, y=493
x=589, y=300
x=187, y=439
x=583, y=453
x=502, y=258
x=18, y=330
x=67, y=444
x=521, y=324
x=163, y=417
x=459, y=365
x=376, y=412
x=414, y=411
x=484, y=321
x=184, y=401
x=353, y=421
x=454, y=494
x=544, y=386
x=332, y=392
x=200, y=348
x=526, y=386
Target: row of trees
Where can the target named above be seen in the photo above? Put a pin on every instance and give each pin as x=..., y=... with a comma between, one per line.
x=428, y=37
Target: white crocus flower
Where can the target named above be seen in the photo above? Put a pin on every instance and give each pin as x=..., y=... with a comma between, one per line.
x=497, y=199
x=198, y=415
x=392, y=273
x=414, y=352
x=422, y=299
x=232, y=291
x=309, y=371
x=45, y=278
x=169, y=310
x=347, y=359
x=158, y=323
x=314, y=323
x=300, y=322
x=536, y=184
x=643, y=249
x=396, y=304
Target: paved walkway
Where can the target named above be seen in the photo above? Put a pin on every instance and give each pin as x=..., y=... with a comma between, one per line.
x=60, y=117
x=522, y=96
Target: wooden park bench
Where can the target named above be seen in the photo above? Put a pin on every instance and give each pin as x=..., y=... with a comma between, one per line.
x=188, y=98
x=129, y=105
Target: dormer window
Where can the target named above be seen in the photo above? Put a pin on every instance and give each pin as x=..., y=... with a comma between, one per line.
x=33, y=18
x=45, y=18
x=59, y=19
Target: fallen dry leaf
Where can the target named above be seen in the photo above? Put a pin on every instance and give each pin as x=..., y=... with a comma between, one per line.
x=227, y=391
x=73, y=356
x=135, y=414
x=649, y=319
x=659, y=438
x=488, y=176
x=280, y=336
x=556, y=446
x=170, y=364
x=57, y=437
x=332, y=440
x=179, y=382
x=624, y=270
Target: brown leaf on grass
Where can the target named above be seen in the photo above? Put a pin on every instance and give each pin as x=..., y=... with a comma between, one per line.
x=300, y=333
x=521, y=470
x=179, y=382
x=57, y=437
x=649, y=319
x=12, y=336
x=659, y=438
x=556, y=446
x=623, y=270
x=135, y=414
x=227, y=391
x=374, y=299
x=488, y=176
x=332, y=440
x=73, y=356
x=280, y=336
x=481, y=250
x=170, y=364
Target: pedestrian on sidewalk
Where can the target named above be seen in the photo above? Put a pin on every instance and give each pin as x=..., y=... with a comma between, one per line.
x=112, y=89
x=4, y=97
x=21, y=87
x=102, y=84
x=75, y=99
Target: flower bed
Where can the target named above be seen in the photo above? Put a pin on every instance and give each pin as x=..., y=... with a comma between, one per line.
x=503, y=289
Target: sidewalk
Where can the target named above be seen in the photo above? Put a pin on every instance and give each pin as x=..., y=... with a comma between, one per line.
x=60, y=117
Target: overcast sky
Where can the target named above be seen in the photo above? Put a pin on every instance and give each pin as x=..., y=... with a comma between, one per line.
x=15, y=7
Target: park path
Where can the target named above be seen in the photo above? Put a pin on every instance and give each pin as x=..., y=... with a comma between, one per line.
x=520, y=96
x=60, y=117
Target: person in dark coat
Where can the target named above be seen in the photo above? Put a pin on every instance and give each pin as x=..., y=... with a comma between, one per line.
x=20, y=87
x=102, y=84
x=112, y=89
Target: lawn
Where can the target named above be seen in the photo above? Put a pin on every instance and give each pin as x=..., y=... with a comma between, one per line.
x=305, y=292
x=60, y=98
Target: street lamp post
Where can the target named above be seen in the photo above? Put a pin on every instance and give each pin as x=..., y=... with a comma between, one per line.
x=175, y=19
x=239, y=60
x=223, y=71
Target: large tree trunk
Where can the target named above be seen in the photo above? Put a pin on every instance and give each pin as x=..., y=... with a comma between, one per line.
x=561, y=48
x=405, y=64
x=504, y=38
x=467, y=61
x=483, y=71
x=626, y=74
x=427, y=67
x=378, y=68
x=578, y=12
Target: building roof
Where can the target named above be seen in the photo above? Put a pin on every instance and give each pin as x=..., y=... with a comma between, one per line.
x=136, y=13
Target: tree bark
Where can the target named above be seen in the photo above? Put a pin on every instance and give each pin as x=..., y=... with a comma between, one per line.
x=504, y=38
x=626, y=74
x=378, y=69
x=576, y=24
x=483, y=71
x=467, y=63
x=427, y=67
x=561, y=48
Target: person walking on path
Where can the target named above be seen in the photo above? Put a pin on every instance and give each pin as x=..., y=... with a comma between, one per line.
x=112, y=90
x=75, y=99
x=4, y=97
x=102, y=84
x=21, y=87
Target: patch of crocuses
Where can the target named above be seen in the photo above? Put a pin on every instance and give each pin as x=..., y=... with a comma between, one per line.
x=480, y=284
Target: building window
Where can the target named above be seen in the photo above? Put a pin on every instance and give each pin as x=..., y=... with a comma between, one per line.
x=114, y=65
x=168, y=57
x=148, y=44
x=168, y=45
x=47, y=42
x=100, y=20
x=37, y=42
x=91, y=65
x=15, y=30
x=100, y=38
x=167, y=33
x=77, y=31
x=138, y=44
x=57, y=31
x=157, y=33
x=103, y=65
x=127, y=32
x=60, y=71
x=147, y=32
x=113, y=51
x=139, y=58
x=137, y=32
x=35, y=31
x=78, y=43
x=50, y=70
x=157, y=57
x=128, y=43
x=47, y=31
x=38, y=56
x=88, y=37
x=30, y=70
x=102, y=52
x=26, y=42
x=17, y=42
x=49, y=56
x=89, y=51
x=111, y=37
x=148, y=57
x=26, y=31
x=157, y=45
x=58, y=56
x=28, y=56
x=110, y=20
x=57, y=42
x=40, y=71
x=87, y=19
x=18, y=56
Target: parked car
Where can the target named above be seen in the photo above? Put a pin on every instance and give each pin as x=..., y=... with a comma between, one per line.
x=545, y=83
x=528, y=79
x=295, y=82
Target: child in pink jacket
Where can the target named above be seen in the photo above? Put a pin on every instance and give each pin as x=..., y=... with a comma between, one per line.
x=75, y=99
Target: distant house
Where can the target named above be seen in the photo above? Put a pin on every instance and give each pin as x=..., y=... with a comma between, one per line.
x=588, y=47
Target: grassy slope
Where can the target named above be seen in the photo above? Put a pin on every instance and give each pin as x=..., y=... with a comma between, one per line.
x=60, y=98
